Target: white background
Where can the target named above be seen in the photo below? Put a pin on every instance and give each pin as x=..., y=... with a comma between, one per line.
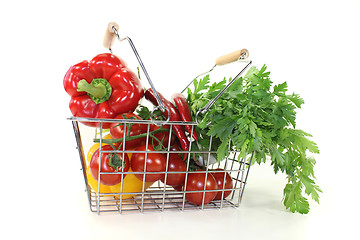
x=313, y=45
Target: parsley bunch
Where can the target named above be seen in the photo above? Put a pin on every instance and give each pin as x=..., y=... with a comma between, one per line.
x=253, y=116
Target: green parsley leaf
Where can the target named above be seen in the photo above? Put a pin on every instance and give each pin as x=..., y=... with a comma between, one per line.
x=260, y=118
x=143, y=112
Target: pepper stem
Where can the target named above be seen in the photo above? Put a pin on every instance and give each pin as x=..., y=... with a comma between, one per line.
x=99, y=89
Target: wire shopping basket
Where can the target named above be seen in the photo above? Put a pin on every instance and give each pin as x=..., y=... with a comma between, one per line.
x=136, y=190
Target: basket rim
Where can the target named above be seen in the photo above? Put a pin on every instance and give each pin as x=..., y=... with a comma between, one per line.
x=140, y=121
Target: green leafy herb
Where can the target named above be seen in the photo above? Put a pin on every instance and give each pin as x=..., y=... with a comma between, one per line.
x=143, y=112
x=259, y=117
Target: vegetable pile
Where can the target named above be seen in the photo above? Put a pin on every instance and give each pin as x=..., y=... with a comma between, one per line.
x=252, y=117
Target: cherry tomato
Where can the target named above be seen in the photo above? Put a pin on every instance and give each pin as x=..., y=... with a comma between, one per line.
x=117, y=130
x=162, y=136
x=219, y=177
x=178, y=187
x=122, y=165
x=176, y=147
x=155, y=162
x=94, y=147
x=175, y=164
x=196, y=182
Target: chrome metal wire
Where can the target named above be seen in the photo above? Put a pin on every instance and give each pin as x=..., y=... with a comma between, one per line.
x=161, y=105
x=159, y=197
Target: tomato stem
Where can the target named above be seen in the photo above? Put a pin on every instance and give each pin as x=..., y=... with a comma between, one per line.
x=160, y=145
x=115, y=161
x=129, y=138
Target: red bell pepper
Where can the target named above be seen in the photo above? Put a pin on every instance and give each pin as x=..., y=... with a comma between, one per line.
x=102, y=88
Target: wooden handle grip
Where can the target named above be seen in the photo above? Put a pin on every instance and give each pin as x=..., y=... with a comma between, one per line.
x=232, y=57
x=110, y=34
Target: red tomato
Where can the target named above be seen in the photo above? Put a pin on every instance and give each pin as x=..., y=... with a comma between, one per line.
x=175, y=164
x=162, y=136
x=117, y=130
x=155, y=162
x=176, y=147
x=178, y=187
x=108, y=179
x=219, y=177
x=196, y=182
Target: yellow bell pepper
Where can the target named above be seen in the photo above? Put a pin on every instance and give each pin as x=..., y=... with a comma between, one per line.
x=94, y=184
x=131, y=183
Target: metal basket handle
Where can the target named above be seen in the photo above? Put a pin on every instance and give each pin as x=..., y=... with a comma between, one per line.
x=112, y=30
x=209, y=104
x=239, y=55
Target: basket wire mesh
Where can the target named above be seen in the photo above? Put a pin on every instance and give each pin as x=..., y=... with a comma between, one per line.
x=159, y=196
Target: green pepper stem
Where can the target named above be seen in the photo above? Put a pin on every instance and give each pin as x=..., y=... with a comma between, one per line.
x=98, y=90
